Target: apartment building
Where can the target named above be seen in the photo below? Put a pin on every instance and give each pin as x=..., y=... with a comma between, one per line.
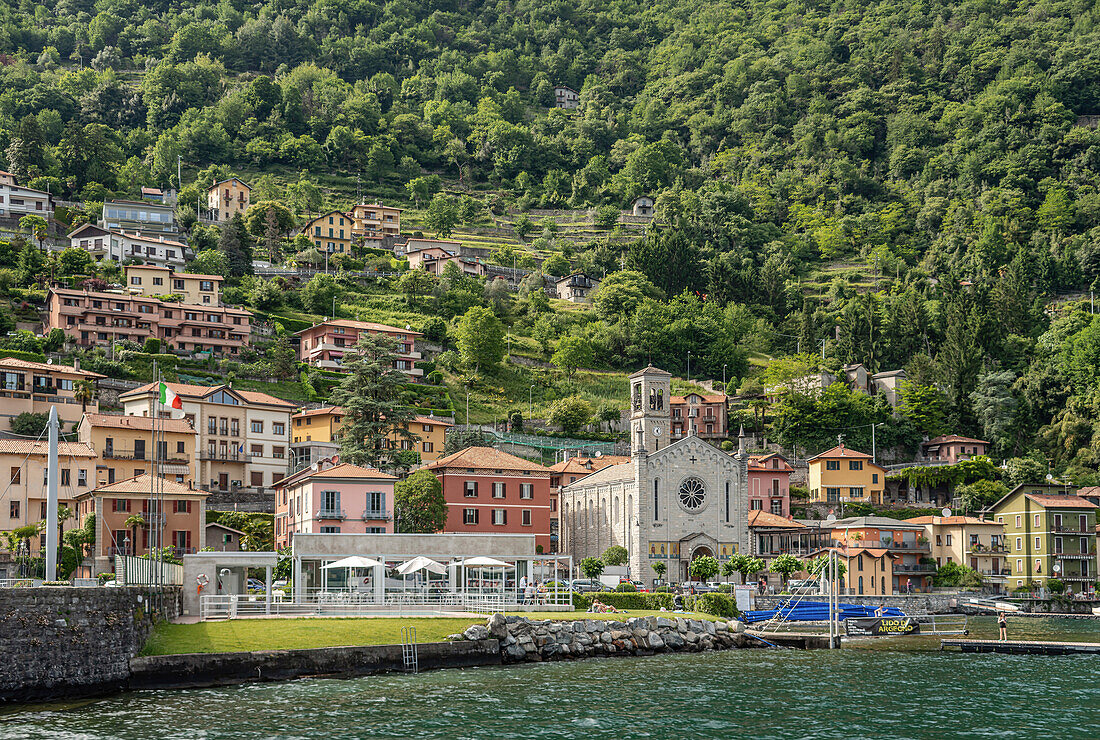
x=338, y=499
x=193, y=289
x=433, y=257
x=121, y=246
x=243, y=436
x=94, y=319
x=326, y=345
x=976, y=543
x=576, y=288
x=181, y=521
x=125, y=447
x=904, y=544
x=770, y=484
x=487, y=490
x=140, y=216
x=17, y=201
x=843, y=475
x=32, y=387
x=331, y=232
x=703, y=415
x=315, y=435
x=24, y=463
x=227, y=198
x=570, y=471
x=1050, y=532
x=373, y=222
x=952, y=448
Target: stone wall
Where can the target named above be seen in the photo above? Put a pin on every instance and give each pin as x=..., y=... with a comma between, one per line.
x=521, y=639
x=222, y=669
x=251, y=502
x=60, y=641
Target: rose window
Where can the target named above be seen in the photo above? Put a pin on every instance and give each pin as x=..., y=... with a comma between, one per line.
x=692, y=494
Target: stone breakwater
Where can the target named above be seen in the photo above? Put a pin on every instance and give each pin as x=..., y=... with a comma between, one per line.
x=522, y=639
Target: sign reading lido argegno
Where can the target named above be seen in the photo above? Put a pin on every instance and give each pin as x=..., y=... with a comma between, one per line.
x=881, y=626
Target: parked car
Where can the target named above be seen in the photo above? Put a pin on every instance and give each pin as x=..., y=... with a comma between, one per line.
x=804, y=585
x=255, y=584
x=697, y=587
x=638, y=585
x=586, y=585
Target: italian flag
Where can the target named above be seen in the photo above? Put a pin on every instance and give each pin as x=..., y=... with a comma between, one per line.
x=169, y=398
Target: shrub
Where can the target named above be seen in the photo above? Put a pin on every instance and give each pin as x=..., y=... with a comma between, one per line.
x=57, y=583
x=104, y=577
x=1055, y=586
x=662, y=590
x=717, y=604
x=635, y=600
x=626, y=587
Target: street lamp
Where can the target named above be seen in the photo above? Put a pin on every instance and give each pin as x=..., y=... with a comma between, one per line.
x=467, y=407
x=689, y=366
x=531, y=401
x=723, y=377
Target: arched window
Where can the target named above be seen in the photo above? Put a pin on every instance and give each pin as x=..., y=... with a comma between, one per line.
x=615, y=510
x=656, y=499
x=861, y=585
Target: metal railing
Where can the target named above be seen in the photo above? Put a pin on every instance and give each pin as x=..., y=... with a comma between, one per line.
x=1069, y=529
x=376, y=515
x=350, y=602
x=330, y=514
x=226, y=456
x=917, y=568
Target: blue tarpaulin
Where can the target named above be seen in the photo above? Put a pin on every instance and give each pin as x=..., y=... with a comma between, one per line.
x=818, y=611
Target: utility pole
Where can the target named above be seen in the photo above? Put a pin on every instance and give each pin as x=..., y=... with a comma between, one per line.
x=874, y=453
x=179, y=172
x=51, y=499
x=823, y=347
x=689, y=366
x=530, y=402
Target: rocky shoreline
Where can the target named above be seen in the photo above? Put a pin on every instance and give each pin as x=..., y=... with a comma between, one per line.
x=526, y=640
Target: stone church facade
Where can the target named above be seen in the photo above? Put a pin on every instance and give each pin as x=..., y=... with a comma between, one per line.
x=673, y=502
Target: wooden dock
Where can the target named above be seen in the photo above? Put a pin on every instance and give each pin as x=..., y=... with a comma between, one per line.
x=1023, y=647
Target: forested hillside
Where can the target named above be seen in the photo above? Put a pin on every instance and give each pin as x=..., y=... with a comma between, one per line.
x=914, y=183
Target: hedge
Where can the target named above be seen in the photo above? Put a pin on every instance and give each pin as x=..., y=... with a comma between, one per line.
x=21, y=355
x=291, y=325
x=652, y=602
x=719, y=605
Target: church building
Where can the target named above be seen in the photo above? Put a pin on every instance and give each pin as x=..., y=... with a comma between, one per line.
x=673, y=502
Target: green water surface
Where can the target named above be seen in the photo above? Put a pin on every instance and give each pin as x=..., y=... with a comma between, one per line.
x=883, y=688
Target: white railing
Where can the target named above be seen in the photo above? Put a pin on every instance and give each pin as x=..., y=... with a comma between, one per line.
x=360, y=602
x=143, y=572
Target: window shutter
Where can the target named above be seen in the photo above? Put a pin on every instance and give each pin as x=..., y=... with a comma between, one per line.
x=187, y=539
x=127, y=504
x=188, y=507
x=505, y=512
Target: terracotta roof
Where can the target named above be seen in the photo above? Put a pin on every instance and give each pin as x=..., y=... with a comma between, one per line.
x=949, y=520
x=581, y=464
x=1055, y=501
x=949, y=438
x=141, y=423
x=484, y=458
x=877, y=552
x=431, y=420
x=222, y=526
x=201, y=391
x=323, y=411
x=42, y=447
x=650, y=370
x=231, y=179
x=144, y=484
x=841, y=451
x=347, y=470
x=756, y=462
x=198, y=275
x=711, y=398
x=14, y=363
x=761, y=518
x=368, y=325
x=1088, y=491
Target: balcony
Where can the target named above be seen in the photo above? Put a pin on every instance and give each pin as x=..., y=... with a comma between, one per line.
x=330, y=514
x=1069, y=529
x=980, y=549
x=180, y=551
x=111, y=453
x=915, y=568
x=225, y=456
x=1074, y=555
x=376, y=515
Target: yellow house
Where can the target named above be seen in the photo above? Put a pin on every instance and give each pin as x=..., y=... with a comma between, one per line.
x=333, y=232
x=324, y=424
x=373, y=221
x=841, y=475
x=35, y=386
x=227, y=198
x=124, y=447
x=150, y=280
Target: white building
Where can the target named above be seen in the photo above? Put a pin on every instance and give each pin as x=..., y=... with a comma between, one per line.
x=566, y=97
x=119, y=246
x=17, y=201
x=673, y=502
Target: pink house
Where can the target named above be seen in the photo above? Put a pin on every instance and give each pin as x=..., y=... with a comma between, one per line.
x=325, y=345
x=770, y=484
x=952, y=448
x=341, y=498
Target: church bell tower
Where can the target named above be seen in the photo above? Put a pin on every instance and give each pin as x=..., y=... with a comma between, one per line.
x=649, y=415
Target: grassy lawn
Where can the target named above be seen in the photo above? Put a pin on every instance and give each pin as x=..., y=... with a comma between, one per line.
x=296, y=634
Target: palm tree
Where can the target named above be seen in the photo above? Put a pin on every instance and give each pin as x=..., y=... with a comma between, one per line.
x=132, y=523
x=84, y=391
x=64, y=513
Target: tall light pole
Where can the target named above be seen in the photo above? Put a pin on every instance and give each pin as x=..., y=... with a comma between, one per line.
x=467, y=408
x=531, y=401
x=689, y=366
x=723, y=377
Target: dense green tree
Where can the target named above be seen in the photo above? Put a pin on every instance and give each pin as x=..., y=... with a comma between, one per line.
x=419, y=503
x=480, y=340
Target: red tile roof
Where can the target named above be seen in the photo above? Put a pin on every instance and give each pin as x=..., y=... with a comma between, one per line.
x=140, y=423
x=17, y=364
x=202, y=391
x=711, y=398
x=1055, y=501
x=581, y=464
x=42, y=447
x=366, y=325
x=760, y=518
x=323, y=411
x=144, y=484
x=757, y=462
x=485, y=458
x=949, y=438
x=949, y=520
x=841, y=451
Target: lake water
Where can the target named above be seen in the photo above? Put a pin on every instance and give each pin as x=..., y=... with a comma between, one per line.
x=885, y=688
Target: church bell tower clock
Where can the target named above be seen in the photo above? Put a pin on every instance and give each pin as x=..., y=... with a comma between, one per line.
x=649, y=415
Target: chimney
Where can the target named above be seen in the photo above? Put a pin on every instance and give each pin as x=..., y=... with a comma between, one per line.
x=76, y=363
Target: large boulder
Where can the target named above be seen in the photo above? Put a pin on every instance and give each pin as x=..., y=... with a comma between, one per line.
x=736, y=626
x=476, y=632
x=497, y=625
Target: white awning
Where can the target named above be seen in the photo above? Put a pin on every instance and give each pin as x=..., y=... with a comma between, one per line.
x=483, y=563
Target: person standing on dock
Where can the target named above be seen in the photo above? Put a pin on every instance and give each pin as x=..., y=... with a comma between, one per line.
x=1002, y=626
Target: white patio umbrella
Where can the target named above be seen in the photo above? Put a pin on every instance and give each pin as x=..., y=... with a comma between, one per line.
x=354, y=561
x=484, y=562
x=421, y=563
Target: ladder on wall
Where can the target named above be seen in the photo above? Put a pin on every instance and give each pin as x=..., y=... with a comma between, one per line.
x=410, y=655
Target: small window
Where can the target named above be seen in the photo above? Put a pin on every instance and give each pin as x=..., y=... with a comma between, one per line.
x=832, y=464
x=469, y=516
x=525, y=517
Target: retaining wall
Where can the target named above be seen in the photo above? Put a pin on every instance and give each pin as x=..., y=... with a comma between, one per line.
x=222, y=669
x=60, y=641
